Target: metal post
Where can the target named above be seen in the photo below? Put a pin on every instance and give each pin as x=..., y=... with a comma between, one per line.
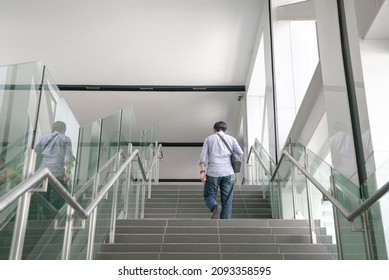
x=309, y=203
x=149, y=183
x=294, y=196
x=368, y=248
x=293, y=168
x=156, y=180
x=142, y=210
x=92, y=221
x=137, y=195
x=114, y=203
x=67, y=241
x=91, y=234
x=250, y=171
x=16, y=250
x=258, y=167
x=128, y=184
x=336, y=219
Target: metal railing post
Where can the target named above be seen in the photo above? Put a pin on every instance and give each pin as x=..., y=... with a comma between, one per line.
x=16, y=250
x=309, y=203
x=128, y=184
x=67, y=241
x=150, y=178
x=138, y=179
x=142, y=210
x=294, y=196
x=156, y=177
x=114, y=202
x=336, y=219
x=92, y=220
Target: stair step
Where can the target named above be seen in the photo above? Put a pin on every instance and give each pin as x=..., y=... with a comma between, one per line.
x=200, y=237
x=186, y=201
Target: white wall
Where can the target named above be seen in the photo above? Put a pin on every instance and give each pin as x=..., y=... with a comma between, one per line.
x=180, y=163
x=375, y=61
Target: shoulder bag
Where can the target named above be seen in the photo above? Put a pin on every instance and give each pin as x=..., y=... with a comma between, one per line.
x=235, y=158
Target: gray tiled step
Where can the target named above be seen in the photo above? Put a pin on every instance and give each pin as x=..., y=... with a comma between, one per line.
x=215, y=238
x=211, y=230
x=274, y=223
x=178, y=226
x=203, y=216
x=302, y=256
x=206, y=210
x=199, y=195
x=128, y=256
x=201, y=205
x=259, y=256
x=223, y=248
x=213, y=256
x=177, y=202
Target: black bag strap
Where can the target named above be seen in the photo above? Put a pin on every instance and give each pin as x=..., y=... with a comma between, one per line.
x=225, y=143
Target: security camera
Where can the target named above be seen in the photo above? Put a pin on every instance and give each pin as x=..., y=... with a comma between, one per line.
x=240, y=96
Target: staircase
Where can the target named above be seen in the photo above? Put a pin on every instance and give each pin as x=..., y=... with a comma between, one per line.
x=177, y=225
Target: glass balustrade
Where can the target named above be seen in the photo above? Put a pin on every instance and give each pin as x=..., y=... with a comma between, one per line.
x=19, y=97
x=378, y=214
x=100, y=145
x=269, y=163
x=293, y=196
x=30, y=98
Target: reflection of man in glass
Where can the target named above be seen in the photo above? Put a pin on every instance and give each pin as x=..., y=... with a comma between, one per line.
x=55, y=150
x=342, y=150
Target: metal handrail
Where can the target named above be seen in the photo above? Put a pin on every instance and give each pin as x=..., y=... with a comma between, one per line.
x=357, y=211
x=155, y=159
x=116, y=176
x=253, y=150
x=86, y=185
x=44, y=173
x=349, y=216
x=23, y=190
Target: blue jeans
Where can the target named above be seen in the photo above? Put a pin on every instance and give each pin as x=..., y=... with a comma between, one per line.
x=53, y=197
x=226, y=185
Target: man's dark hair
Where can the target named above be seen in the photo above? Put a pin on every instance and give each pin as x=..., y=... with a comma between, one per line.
x=220, y=125
x=59, y=126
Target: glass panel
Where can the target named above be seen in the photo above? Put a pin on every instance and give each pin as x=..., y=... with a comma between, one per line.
x=130, y=134
x=47, y=213
x=19, y=94
x=54, y=108
x=127, y=129
x=267, y=160
x=45, y=230
x=347, y=193
x=275, y=199
x=103, y=215
x=110, y=135
x=283, y=197
x=95, y=145
x=147, y=143
x=88, y=153
x=378, y=216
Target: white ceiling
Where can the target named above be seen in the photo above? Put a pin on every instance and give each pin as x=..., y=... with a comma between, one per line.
x=146, y=42
x=379, y=29
x=139, y=42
